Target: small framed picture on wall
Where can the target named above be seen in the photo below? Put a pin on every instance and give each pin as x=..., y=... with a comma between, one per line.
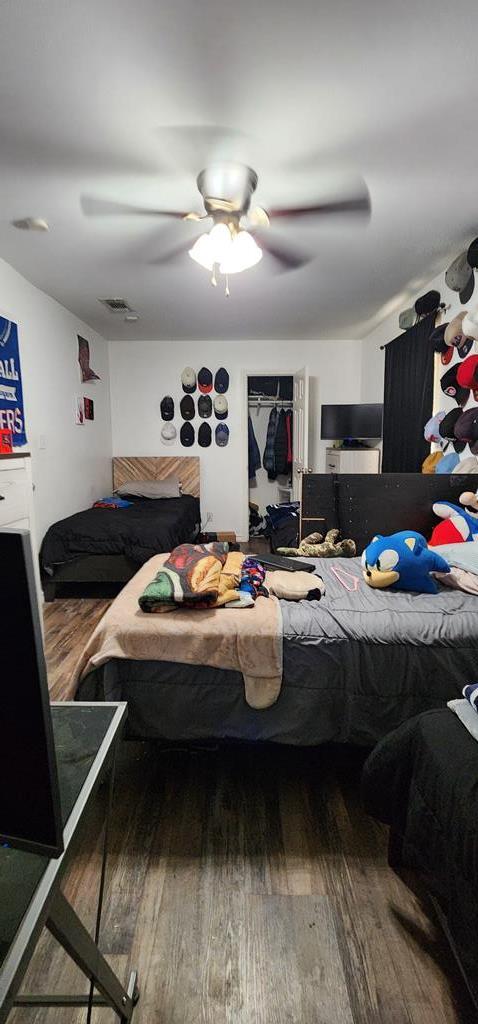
x=89, y=407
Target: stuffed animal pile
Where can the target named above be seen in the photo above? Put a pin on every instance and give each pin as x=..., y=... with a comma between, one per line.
x=314, y=546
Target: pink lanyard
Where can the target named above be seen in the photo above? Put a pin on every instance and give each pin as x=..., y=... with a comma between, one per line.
x=339, y=573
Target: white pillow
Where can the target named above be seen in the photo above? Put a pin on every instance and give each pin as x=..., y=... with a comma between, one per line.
x=151, y=488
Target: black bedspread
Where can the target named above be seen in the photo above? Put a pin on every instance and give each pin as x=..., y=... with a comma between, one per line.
x=146, y=528
x=422, y=780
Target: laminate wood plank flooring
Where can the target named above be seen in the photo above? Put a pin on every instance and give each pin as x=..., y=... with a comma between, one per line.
x=248, y=887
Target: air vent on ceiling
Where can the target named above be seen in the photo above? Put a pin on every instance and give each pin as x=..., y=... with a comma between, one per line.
x=117, y=305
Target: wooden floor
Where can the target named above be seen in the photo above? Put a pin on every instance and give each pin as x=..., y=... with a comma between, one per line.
x=248, y=887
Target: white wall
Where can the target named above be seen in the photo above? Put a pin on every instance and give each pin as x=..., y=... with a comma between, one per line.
x=142, y=372
x=75, y=466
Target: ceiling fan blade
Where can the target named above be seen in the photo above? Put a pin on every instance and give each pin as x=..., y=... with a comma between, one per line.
x=286, y=256
x=340, y=206
x=173, y=254
x=359, y=204
x=93, y=207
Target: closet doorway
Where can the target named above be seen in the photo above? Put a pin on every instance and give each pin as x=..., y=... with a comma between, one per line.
x=277, y=408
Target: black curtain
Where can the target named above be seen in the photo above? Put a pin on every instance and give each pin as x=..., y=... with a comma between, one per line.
x=408, y=398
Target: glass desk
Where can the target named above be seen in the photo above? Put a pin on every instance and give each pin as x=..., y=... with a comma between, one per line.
x=86, y=737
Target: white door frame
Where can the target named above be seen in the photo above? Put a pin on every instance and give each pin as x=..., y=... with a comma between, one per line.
x=244, y=518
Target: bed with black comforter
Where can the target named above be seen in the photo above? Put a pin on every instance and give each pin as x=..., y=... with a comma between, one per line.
x=129, y=535
x=355, y=665
x=422, y=780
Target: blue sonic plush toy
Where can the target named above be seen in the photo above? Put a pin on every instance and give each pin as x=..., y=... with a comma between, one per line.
x=402, y=561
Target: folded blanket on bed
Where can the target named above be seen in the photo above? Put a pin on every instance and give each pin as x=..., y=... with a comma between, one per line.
x=459, y=579
x=248, y=642
x=190, y=576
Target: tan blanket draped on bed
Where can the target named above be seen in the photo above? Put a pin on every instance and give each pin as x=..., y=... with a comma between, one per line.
x=247, y=640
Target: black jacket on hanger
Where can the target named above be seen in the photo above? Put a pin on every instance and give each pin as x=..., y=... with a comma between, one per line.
x=280, y=445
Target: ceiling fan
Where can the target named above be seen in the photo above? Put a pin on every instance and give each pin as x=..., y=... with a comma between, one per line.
x=240, y=231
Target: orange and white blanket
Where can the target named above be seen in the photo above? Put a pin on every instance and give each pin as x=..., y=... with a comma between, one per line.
x=245, y=640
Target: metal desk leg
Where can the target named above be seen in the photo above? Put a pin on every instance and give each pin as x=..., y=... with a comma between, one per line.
x=66, y=927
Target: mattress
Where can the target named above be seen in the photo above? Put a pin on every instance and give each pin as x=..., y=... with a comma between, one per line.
x=423, y=781
x=356, y=665
x=144, y=529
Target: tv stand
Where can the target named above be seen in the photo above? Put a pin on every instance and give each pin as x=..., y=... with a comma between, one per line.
x=352, y=460
x=86, y=738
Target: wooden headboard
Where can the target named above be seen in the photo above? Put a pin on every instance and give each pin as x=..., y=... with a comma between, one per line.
x=150, y=467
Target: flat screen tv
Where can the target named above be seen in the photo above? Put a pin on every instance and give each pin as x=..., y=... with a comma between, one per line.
x=30, y=814
x=341, y=422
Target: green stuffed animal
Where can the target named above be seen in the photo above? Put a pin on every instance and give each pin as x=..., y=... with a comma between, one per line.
x=314, y=546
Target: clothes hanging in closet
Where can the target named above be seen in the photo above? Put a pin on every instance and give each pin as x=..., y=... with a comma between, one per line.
x=289, y=433
x=254, y=453
x=269, y=458
x=280, y=445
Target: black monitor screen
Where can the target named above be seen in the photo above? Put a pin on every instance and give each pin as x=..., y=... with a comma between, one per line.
x=342, y=421
x=29, y=798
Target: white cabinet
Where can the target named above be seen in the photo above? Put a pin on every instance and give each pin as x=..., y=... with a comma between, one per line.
x=16, y=503
x=352, y=460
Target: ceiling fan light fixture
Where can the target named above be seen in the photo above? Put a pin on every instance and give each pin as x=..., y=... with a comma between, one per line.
x=242, y=254
x=201, y=252
x=232, y=253
x=212, y=247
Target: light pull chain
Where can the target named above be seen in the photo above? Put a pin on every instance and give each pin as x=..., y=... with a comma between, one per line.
x=227, y=287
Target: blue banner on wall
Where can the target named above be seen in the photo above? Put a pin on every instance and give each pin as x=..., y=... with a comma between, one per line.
x=11, y=395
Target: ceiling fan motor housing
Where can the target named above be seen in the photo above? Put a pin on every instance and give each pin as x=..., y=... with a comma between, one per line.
x=227, y=188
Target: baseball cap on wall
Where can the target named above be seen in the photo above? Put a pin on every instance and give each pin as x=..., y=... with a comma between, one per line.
x=447, y=463
x=455, y=333
x=221, y=381
x=167, y=408
x=220, y=407
x=431, y=429
x=205, y=380
x=187, y=407
x=204, y=406
x=450, y=386
x=437, y=338
x=446, y=428
x=222, y=435
x=470, y=323
x=168, y=433
x=472, y=254
x=467, y=428
x=187, y=435
x=204, y=435
x=427, y=303
x=406, y=319
x=469, y=465
x=188, y=380
x=460, y=277
x=467, y=373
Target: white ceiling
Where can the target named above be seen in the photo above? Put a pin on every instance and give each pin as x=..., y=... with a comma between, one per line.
x=311, y=88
